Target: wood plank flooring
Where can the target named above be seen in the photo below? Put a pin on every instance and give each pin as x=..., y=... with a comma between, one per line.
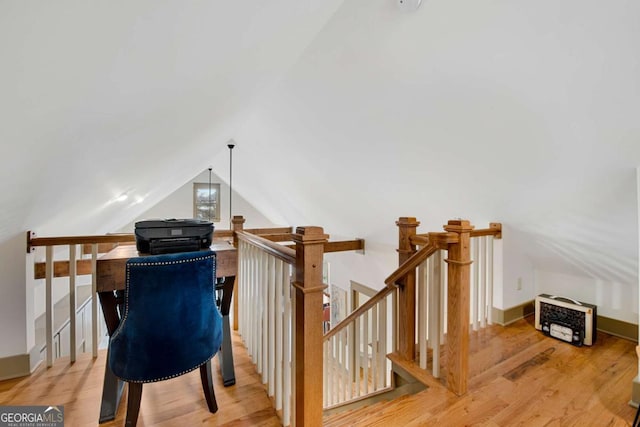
x=518, y=377
x=176, y=402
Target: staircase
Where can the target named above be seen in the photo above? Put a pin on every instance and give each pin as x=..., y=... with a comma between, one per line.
x=430, y=302
x=389, y=346
x=518, y=376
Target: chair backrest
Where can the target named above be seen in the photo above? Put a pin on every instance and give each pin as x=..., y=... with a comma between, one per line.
x=170, y=323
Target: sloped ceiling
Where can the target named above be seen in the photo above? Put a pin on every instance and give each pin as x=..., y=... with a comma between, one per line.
x=346, y=114
x=524, y=113
x=101, y=99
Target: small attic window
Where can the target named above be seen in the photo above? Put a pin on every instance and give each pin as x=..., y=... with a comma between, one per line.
x=206, y=201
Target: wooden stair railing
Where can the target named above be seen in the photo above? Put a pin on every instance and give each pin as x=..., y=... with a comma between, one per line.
x=109, y=241
x=456, y=241
x=265, y=320
x=411, y=264
x=281, y=291
x=82, y=262
x=70, y=268
x=355, y=351
x=284, y=253
x=310, y=244
x=394, y=282
x=344, y=323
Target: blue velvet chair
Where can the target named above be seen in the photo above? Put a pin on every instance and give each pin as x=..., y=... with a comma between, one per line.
x=170, y=324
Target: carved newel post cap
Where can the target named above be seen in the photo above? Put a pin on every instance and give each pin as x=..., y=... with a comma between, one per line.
x=309, y=234
x=459, y=225
x=238, y=219
x=407, y=221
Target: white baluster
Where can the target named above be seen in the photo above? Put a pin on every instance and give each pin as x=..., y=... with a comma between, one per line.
x=279, y=332
x=374, y=346
x=483, y=281
x=365, y=345
x=490, y=242
x=271, y=324
x=288, y=366
x=423, y=270
x=358, y=360
x=475, y=279
x=49, y=303
x=435, y=312
x=94, y=300
x=72, y=302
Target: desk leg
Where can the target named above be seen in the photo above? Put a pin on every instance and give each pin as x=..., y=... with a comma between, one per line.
x=112, y=388
x=225, y=355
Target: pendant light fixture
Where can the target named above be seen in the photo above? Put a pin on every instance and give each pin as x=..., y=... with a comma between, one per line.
x=209, y=195
x=231, y=144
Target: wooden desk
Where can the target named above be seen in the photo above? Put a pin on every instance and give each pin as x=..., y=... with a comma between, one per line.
x=111, y=269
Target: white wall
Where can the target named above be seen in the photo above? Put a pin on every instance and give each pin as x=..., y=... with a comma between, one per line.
x=139, y=103
x=15, y=333
x=369, y=269
x=614, y=299
x=521, y=114
x=518, y=271
x=179, y=204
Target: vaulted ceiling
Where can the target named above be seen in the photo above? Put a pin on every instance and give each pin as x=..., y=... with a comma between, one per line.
x=347, y=114
x=108, y=98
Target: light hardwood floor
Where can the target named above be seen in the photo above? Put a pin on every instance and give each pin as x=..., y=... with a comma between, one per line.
x=176, y=402
x=518, y=377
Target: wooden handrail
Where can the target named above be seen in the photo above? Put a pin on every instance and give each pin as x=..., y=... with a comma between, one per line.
x=226, y=234
x=420, y=239
x=277, y=237
x=344, y=245
x=411, y=264
x=33, y=241
x=442, y=239
x=382, y=293
x=340, y=245
x=495, y=230
x=281, y=252
x=271, y=230
x=107, y=242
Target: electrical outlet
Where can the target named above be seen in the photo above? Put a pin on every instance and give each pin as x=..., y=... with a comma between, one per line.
x=519, y=284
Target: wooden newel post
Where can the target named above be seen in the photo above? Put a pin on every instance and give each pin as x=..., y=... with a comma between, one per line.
x=308, y=325
x=237, y=222
x=407, y=292
x=459, y=272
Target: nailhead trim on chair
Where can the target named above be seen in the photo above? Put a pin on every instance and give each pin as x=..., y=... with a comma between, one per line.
x=170, y=376
x=182, y=261
x=126, y=311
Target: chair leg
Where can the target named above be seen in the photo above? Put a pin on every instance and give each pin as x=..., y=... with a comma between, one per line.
x=207, y=387
x=133, y=404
